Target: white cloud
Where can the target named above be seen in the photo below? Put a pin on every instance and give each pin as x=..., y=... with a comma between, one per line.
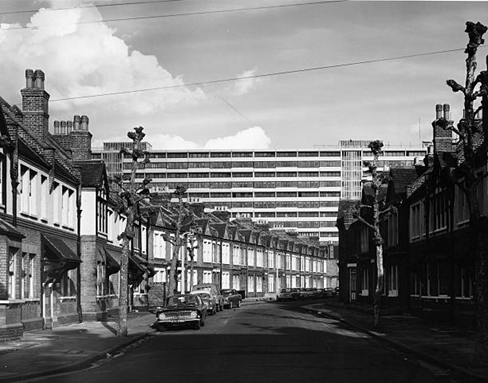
x=251, y=138
x=244, y=86
x=83, y=59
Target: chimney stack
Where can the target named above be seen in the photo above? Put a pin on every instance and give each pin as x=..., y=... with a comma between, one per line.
x=442, y=137
x=81, y=139
x=35, y=104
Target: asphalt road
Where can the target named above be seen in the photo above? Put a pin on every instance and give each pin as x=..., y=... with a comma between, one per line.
x=261, y=342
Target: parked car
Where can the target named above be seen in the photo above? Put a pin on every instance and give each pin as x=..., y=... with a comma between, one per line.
x=231, y=298
x=208, y=299
x=308, y=293
x=181, y=309
x=288, y=294
x=213, y=290
x=328, y=292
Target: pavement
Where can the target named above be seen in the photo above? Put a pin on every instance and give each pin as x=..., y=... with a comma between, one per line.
x=73, y=347
x=446, y=347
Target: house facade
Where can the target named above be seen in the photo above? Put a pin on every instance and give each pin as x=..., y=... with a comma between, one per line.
x=428, y=245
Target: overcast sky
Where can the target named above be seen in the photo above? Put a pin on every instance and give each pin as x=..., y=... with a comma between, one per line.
x=339, y=81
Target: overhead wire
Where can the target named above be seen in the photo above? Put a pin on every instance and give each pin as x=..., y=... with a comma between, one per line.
x=263, y=75
x=145, y=2
x=199, y=13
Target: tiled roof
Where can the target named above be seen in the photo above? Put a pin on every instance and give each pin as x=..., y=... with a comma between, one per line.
x=92, y=172
x=401, y=178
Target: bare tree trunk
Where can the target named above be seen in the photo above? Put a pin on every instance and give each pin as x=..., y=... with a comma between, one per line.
x=122, y=330
x=379, y=285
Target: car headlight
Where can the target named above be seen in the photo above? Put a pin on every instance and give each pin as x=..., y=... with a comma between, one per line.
x=162, y=316
x=193, y=314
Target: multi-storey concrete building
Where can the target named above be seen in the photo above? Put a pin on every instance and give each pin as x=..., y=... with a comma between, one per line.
x=297, y=190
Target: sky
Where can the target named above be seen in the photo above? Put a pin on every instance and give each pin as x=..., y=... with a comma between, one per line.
x=242, y=74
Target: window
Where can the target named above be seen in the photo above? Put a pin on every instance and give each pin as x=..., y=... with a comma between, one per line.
x=67, y=285
x=392, y=224
x=364, y=239
x=250, y=256
x=207, y=251
x=225, y=253
x=236, y=254
x=259, y=257
x=466, y=283
x=101, y=279
x=416, y=221
x=225, y=280
x=27, y=276
x=28, y=191
x=259, y=284
x=271, y=260
x=219, y=154
x=439, y=211
x=271, y=283
x=44, y=197
x=12, y=273
x=250, y=283
x=393, y=281
x=365, y=282
x=56, y=196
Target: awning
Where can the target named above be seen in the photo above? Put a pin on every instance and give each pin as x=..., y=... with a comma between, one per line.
x=139, y=265
x=110, y=263
x=10, y=231
x=57, y=258
x=56, y=249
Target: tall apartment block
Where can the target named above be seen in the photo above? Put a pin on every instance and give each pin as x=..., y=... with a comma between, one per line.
x=294, y=190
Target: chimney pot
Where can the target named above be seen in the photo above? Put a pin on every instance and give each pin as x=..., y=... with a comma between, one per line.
x=39, y=77
x=63, y=127
x=69, y=127
x=438, y=111
x=76, y=122
x=84, y=123
x=56, y=127
x=29, y=76
x=447, y=111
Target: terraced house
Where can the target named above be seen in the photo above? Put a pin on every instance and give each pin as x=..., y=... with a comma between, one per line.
x=429, y=257
x=59, y=249
x=59, y=246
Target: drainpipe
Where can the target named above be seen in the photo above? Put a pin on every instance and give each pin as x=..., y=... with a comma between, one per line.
x=78, y=251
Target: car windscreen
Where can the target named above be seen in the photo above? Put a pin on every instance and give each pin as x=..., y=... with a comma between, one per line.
x=182, y=300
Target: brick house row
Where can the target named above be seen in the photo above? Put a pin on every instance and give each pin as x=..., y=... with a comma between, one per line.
x=428, y=258
x=59, y=246
x=241, y=254
x=59, y=259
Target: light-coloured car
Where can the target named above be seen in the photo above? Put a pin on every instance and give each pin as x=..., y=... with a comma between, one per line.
x=208, y=300
x=213, y=289
x=288, y=294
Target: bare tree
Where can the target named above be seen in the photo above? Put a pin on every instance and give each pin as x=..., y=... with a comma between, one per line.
x=468, y=175
x=128, y=198
x=377, y=180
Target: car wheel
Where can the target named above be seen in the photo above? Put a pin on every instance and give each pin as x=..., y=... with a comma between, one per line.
x=238, y=303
